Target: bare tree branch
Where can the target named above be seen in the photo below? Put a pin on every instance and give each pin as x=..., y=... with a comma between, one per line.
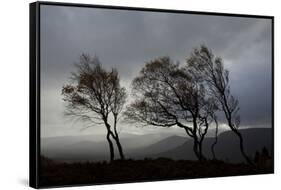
x=94, y=96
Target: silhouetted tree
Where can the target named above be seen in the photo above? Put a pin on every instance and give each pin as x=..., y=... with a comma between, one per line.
x=166, y=95
x=262, y=159
x=265, y=153
x=211, y=69
x=95, y=95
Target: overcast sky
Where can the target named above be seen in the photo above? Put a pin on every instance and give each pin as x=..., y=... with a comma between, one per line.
x=127, y=39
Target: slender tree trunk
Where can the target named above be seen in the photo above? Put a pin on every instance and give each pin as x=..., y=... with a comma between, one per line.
x=236, y=131
x=215, y=142
x=200, y=149
x=195, y=144
x=118, y=144
x=109, y=133
x=120, y=149
x=111, y=148
x=117, y=140
x=202, y=137
x=115, y=137
x=200, y=145
x=241, y=144
x=195, y=149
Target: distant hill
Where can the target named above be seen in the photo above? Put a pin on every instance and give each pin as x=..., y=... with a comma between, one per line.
x=227, y=148
x=130, y=140
x=160, y=146
x=95, y=148
x=140, y=146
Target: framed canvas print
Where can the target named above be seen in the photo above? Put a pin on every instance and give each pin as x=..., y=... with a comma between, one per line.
x=121, y=94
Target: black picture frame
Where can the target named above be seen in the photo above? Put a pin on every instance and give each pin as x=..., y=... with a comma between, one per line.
x=34, y=82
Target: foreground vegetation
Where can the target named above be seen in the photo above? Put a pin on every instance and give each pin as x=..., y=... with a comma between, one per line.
x=119, y=171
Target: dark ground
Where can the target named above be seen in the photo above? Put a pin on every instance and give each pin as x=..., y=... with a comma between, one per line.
x=58, y=174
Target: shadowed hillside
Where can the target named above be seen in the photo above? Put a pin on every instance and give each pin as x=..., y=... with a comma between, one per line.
x=54, y=174
x=227, y=148
x=160, y=146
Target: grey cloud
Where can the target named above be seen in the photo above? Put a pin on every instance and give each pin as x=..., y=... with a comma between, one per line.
x=127, y=39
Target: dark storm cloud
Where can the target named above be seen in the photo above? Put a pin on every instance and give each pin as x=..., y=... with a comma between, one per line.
x=128, y=39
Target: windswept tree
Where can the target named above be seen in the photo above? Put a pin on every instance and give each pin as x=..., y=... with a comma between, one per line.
x=166, y=95
x=211, y=69
x=95, y=96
